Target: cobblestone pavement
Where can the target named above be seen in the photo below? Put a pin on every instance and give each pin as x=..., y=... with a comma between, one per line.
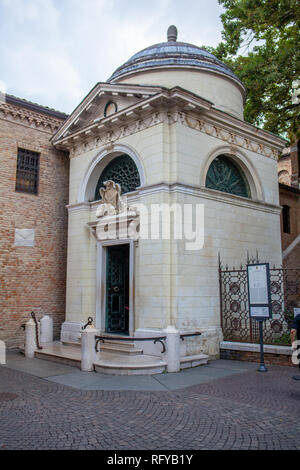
x=250, y=410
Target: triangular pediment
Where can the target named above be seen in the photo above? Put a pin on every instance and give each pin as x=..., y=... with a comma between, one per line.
x=102, y=102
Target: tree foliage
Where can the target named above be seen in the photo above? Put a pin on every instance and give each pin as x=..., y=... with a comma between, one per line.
x=261, y=45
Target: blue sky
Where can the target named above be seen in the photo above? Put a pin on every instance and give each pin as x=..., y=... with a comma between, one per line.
x=54, y=51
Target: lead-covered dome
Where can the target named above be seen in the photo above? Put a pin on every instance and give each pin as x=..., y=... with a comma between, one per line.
x=171, y=56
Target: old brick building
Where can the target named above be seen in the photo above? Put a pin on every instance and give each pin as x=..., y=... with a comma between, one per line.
x=33, y=217
x=289, y=194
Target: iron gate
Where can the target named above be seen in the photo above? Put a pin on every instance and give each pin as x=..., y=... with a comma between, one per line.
x=235, y=320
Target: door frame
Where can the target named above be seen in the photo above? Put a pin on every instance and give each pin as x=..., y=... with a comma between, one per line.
x=101, y=282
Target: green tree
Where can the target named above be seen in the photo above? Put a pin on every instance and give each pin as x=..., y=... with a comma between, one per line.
x=261, y=45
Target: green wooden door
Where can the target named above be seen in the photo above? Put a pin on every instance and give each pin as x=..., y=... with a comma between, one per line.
x=117, y=289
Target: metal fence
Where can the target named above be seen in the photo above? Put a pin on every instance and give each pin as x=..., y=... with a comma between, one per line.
x=235, y=320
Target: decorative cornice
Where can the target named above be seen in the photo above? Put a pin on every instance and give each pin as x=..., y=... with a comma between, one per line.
x=234, y=137
x=29, y=118
x=81, y=206
x=171, y=106
x=106, y=136
x=21, y=102
x=192, y=190
x=211, y=194
x=95, y=95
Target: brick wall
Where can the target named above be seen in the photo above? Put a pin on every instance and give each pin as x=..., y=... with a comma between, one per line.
x=285, y=170
x=276, y=359
x=31, y=278
x=291, y=197
x=292, y=260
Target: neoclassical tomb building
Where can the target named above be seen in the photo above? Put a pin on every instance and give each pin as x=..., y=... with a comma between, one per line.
x=165, y=131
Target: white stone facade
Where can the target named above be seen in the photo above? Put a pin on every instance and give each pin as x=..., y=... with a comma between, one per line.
x=173, y=136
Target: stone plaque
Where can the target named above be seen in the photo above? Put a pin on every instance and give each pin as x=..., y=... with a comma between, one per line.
x=24, y=237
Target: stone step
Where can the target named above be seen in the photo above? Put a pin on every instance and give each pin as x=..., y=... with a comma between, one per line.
x=193, y=361
x=113, y=362
x=57, y=352
x=106, y=363
x=114, y=346
x=137, y=365
x=120, y=348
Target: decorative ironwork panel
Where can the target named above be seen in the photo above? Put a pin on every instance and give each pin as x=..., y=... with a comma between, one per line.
x=236, y=323
x=27, y=171
x=122, y=170
x=224, y=175
x=235, y=319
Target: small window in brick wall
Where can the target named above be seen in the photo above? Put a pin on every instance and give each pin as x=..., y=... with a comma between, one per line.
x=27, y=171
x=286, y=219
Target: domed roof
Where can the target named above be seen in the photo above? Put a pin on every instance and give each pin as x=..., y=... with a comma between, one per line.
x=173, y=54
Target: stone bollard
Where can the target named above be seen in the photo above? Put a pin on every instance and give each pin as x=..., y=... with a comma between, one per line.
x=30, y=339
x=2, y=352
x=172, y=349
x=46, y=329
x=88, y=353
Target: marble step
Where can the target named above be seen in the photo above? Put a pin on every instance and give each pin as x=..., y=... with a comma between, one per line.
x=113, y=362
x=119, y=346
x=193, y=361
x=136, y=365
x=107, y=363
x=114, y=346
x=57, y=352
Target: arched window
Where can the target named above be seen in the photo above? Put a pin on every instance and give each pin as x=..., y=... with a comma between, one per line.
x=122, y=170
x=110, y=108
x=225, y=175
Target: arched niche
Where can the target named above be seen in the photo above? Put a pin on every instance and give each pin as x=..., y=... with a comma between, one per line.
x=238, y=168
x=99, y=164
x=284, y=177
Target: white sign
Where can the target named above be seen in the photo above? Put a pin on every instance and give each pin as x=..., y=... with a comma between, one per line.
x=24, y=237
x=258, y=284
x=259, y=312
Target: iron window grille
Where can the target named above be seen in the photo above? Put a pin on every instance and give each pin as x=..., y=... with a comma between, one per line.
x=225, y=175
x=27, y=171
x=121, y=170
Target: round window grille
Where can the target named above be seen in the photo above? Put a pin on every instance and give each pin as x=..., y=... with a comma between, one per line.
x=122, y=170
x=224, y=175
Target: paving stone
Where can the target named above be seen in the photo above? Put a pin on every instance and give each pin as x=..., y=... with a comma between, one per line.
x=246, y=410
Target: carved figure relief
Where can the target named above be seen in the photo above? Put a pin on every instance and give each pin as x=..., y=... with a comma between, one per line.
x=111, y=200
